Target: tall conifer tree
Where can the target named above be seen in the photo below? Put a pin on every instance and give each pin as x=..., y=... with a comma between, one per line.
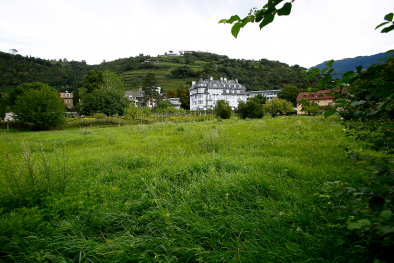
x=75, y=94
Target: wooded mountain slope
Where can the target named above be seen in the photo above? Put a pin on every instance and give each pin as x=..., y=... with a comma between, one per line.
x=16, y=70
x=172, y=72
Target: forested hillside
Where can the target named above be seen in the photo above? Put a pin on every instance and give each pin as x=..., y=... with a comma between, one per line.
x=175, y=71
x=16, y=70
x=348, y=64
x=172, y=72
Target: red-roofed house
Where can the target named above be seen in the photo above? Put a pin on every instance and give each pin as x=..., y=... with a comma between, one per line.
x=321, y=97
x=67, y=98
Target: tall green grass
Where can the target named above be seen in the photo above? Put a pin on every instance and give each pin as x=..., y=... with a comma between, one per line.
x=228, y=191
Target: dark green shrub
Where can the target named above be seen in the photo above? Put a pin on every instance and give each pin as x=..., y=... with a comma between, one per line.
x=223, y=109
x=42, y=108
x=250, y=109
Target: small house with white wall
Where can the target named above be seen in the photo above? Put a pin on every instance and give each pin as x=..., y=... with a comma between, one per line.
x=67, y=98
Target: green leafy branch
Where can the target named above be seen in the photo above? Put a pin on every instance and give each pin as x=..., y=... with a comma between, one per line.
x=263, y=16
x=389, y=20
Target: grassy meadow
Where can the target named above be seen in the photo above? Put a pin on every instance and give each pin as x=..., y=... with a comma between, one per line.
x=214, y=191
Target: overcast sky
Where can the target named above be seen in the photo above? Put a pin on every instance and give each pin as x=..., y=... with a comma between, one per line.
x=94, y=30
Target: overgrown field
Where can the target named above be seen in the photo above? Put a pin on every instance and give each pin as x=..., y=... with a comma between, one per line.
x=215, y=191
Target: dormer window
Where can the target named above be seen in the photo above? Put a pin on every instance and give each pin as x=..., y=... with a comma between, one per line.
x=67, y=95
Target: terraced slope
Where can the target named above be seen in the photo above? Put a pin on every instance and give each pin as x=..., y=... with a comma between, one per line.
x=133, y=78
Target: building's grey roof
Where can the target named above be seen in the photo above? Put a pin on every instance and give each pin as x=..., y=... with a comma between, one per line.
x=219, y=84
x=263, y=91
x=135, y=94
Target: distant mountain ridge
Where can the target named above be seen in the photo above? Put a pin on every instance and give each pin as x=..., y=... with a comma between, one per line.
x=348, y=64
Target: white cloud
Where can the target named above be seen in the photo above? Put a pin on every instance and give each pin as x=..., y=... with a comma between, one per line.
x=316, y=30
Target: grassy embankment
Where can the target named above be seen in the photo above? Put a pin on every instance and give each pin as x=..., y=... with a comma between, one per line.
x=230, y=191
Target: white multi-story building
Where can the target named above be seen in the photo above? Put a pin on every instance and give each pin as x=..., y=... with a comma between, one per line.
x=269, y=94
x=205, y=93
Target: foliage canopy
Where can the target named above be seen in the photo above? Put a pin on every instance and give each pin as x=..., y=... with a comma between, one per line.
x=253, y=108
x=93, y=80
x=276, y=106
x=223, y=109
x=289, y=93
x=41, y=107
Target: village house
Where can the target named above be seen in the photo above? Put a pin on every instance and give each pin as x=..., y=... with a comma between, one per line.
x=137, y=97
x=67, y=98
x=321, y=97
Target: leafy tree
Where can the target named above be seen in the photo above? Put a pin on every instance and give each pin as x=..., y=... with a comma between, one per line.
x=147, y=111
x=260, y=98
x=223, y=109
x=149, y=87
x=43, y=108
x=304, y=102
x=3, y=105
x=312, y=108
x=289, y=93
x=76, y=95
x=94, y=80
x=171, y=94
x=276, y=106
x=184, y=97
x=163, y=104
x=308, y=106
x=108, y=101
x=252, y=108
x=18, y=91
x=132, y=111
x=112, y=81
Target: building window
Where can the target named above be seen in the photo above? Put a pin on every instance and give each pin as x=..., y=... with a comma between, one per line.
x=318, y=101
x=68, y=101
x=325, y=101
x=67, y=95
